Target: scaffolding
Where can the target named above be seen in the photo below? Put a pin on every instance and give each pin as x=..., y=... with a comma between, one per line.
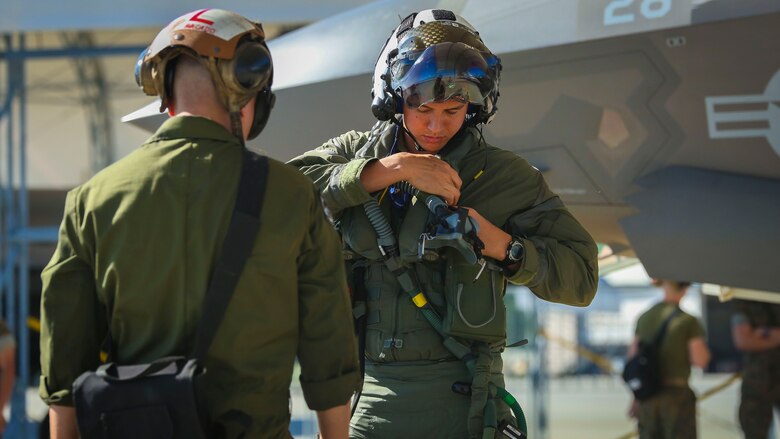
x=16, y=234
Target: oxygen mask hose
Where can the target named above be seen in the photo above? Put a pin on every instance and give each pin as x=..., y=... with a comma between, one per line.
x=510, y=400
x=389, y=249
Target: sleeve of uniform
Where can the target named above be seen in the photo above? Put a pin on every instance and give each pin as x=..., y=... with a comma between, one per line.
x=70, y=313
x=327, y=349
x=695, y=329
x=336, y=172
x=560, y=262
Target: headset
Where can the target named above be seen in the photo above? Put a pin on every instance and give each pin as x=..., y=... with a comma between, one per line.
x=231, y=47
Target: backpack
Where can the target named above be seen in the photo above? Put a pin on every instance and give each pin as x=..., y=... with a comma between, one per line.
x=642, y=373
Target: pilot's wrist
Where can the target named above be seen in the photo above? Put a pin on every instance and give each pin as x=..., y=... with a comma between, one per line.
x=514, y=255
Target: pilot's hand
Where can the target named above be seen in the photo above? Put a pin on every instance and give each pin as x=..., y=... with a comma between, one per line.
x=430, y=174
x=496, y=240
x=425, y=172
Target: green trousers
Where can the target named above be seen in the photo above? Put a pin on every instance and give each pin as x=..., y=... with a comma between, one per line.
x=413, y=400
x=758, y=398
x=671, y=414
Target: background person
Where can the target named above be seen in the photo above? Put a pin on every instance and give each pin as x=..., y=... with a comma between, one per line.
x=670, y=414
x=755, y=329
x=138, y=242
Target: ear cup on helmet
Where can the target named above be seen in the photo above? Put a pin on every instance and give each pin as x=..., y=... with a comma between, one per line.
x=247, y=72
x=143, y=74
x=385, y=104
x=251, y=65
x=264, y=102
x=382, y=107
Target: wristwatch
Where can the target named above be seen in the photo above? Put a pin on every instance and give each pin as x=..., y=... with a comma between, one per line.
x=514, y=253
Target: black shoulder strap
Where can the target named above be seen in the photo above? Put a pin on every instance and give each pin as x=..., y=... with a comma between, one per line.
x=661, y=332
x=236, y=248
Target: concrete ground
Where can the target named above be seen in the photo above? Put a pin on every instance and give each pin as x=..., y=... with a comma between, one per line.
x=581, y=407
x=596, y=407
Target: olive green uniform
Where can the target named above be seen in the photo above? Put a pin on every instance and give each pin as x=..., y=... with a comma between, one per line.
x=671, y=413
x=760, y=372
x=409, y=373
x=135, y=252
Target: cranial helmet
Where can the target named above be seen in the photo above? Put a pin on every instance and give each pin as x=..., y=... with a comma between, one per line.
x=436, y=55
x=230, y=46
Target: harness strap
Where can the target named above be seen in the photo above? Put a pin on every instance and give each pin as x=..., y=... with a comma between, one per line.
x=359, y=298
x=480, y=393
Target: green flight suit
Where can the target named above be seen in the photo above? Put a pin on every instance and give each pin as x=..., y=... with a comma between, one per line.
x=136, y=248
x=670, y=414
x=409, y=373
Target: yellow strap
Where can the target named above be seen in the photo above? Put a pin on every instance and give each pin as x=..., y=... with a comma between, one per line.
x=34, y=324
x=381, y=197
x=419, y=300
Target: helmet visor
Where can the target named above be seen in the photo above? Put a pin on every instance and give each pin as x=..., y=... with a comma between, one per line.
x=442, y=72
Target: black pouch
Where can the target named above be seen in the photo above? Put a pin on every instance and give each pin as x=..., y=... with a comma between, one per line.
x=155, y=401
x=641, y=373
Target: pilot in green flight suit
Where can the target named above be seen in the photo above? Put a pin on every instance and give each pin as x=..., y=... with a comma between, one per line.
x=436, y=72
x=138, y=242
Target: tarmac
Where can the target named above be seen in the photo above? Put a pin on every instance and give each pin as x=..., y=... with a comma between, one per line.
x=579, y=407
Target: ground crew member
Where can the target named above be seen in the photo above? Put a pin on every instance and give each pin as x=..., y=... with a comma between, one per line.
x=138, y=242
x=670, y=414
x=435, y=85
x=755, y=329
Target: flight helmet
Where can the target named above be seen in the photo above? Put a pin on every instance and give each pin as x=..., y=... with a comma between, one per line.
x=232, y=48
x=436, y=55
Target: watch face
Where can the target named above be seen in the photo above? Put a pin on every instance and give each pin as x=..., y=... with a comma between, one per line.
x=516, y=251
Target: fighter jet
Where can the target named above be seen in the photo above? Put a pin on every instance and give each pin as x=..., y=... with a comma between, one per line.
x=656, y=121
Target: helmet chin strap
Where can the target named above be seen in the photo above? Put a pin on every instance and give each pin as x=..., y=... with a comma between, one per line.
x=417, y=146
x=235, y=126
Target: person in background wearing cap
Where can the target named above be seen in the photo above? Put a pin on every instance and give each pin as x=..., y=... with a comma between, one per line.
x=435, y=221
x=138, y=242
x=670, y=414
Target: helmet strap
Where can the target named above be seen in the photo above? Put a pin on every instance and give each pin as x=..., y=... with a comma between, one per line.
x=417, y=146
x=235, y=126
x=228, y=100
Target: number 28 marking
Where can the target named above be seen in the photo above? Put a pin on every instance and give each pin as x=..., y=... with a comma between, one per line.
x=650, y=9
